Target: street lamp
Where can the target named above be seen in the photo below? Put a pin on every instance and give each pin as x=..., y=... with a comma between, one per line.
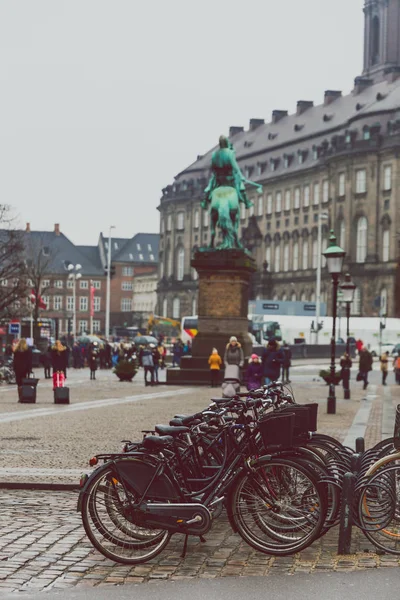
x=348, y=288
x=74, y=275
x=334, y=261
x=107, y=331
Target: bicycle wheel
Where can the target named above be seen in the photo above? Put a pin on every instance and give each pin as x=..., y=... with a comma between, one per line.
x=379, y=508
x=278, y=508
x=113, y=527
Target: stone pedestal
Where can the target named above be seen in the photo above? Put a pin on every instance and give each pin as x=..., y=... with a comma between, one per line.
x=224, y=280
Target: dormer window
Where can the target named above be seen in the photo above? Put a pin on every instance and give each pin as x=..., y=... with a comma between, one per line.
x=366, y=133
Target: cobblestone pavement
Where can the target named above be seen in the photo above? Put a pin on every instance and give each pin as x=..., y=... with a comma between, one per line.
x=43, y=547
x=42, y=542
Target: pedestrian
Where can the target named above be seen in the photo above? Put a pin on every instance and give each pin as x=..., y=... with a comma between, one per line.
x=108, y=355
x=177, y=352
x=59, y=359
x=359, y=346
x=234, y=353
x=148, y=365
x=384, y=360
x=76, y=356
x=22, y=361
x=156, y=361
x=215, y=362
x=365, y=366
x=254, y=373
x=396, y=367
x=272, y=360
x=162, y=352
x=287, y=362
x=92, y=360
x=345, y=364
x=46, y=359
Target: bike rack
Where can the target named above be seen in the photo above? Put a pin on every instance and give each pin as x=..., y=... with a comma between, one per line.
x=347, y=497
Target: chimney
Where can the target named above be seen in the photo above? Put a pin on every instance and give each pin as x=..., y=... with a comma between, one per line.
x=233, y=130
x=361, y=83
x=28, y=227
x=304, y=105
x=277, y=115
x=57, y=228
x=331, y=96
x=254, y=123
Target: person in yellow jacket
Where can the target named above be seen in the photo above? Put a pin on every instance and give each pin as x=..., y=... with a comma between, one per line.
x=215, y=363
x=384, y=360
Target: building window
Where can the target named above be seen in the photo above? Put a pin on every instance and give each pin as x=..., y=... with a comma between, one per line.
x=268, y=256
x=176, y=308
x=387, y=178
x=96, y=326
x=278, y=201
x=45, y=283
x=306, y=198
x=83, y=303
x=297, y=197
x=84, y=285
x=127, y=271
x=277, y=264
x=251, y=209
x=181, y=220
x=83, y=326
x=46, y=300
x=383, y=303
x=206, y=217
x=260, y=206
x=70, y=283
x=316, y=194
x=269, y=204
x=169, y=263
x=362, y=231
x=96, y=285
x=169, y=222
x=386, y=245
x=293, y=297
x=242, y=211
x=356, y=304
x=126, y=304
x=165, y=308
x=181, y=264
x=127, y=286
x=324, y=247
x=162, y=226
x=342, y=185
x=70, y=303
x=288, y=200
x=196, y=219
x=286, y=258
x=58, y=302
x=361, y=181
x=4, y=282
x=97, y=303
x=295, y=256
x=305, y=254
x=58, y=283
x=342, y=234
x=325, y=191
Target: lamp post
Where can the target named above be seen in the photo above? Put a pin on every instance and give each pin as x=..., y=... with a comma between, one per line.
x=334, y=261
x=74, y=275
x=348, y=288
x=107, y=331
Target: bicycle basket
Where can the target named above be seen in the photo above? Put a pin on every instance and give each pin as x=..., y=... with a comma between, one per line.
x=396, y=434
x=302, y=418
x=277, y=429
x=312, y=416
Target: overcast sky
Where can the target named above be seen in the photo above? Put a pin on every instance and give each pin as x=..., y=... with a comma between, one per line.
x=103, y=102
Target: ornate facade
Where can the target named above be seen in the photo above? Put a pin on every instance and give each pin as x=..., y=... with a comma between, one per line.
x=340, y=159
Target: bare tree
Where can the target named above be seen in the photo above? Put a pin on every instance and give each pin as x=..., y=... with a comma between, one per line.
x=13, y=276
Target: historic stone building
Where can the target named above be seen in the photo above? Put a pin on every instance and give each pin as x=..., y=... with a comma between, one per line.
x=340, y=159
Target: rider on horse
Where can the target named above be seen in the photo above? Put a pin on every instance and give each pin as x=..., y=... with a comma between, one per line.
x=226, y=172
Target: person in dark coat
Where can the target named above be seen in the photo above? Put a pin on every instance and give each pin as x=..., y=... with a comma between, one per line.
x=272, y=360
x=365, y=365
x=287, y=362
x=46, y=361
x=156, y=361
x=92, y=360
x=22, y=361
x=254, y=373
x=76, y=356
x=59, y=358
x=345, y=364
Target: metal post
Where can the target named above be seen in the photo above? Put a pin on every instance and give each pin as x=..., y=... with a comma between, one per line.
x=347, y=393
x=331, y=409
x=107, y=331
x=74, y=303
x=318, y=290
x=346, y=514
x=91, y=307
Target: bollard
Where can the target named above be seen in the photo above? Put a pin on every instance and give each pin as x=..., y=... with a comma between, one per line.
x=346, y=514
x=360, y=445
x=355, y=463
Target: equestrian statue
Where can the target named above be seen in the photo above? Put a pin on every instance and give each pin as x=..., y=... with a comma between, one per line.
x=224, y=193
